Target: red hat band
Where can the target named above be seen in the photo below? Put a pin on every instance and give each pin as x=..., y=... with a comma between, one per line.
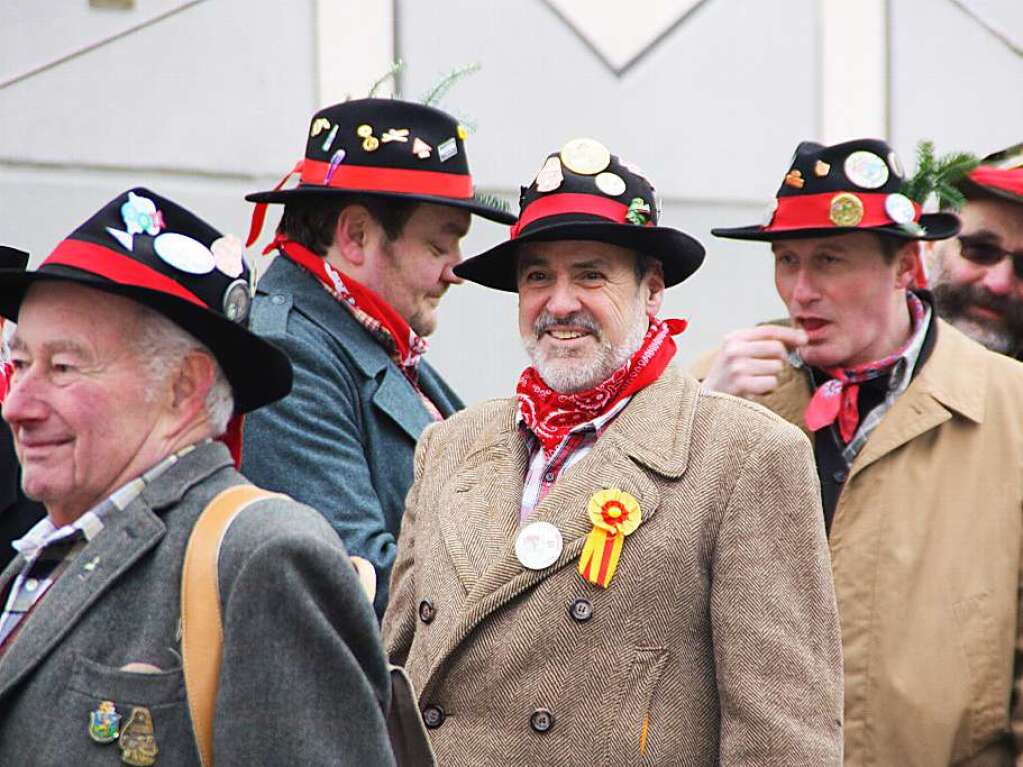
x=1006, y=179
x=842, y=209
x=562, y=204
x=95, y=259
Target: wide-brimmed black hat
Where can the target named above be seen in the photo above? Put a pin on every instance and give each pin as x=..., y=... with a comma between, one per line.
x=12, y=258
x=855, y=186
x=148, y=248
x=384, y=147
x=584, y=192
x=998, y=175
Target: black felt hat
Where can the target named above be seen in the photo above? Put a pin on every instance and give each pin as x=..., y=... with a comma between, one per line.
x=384, y=147
x=12, y=258
x=850, y=187
x=999, y=175
x=584, y=192
x=148, y=248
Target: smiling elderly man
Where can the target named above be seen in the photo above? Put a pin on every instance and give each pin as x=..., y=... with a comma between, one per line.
x=918, y=445
x=130, y=356
x=614, y=567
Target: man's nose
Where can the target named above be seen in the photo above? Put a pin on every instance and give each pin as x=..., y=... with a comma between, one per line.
x=563, y=300
x=448, y=274
x=804, y=290
x=22, y=403
x=1000, y=279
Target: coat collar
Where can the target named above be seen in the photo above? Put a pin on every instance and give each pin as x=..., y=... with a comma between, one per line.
x=482, y=498
x=394, y=396
x=126, y=537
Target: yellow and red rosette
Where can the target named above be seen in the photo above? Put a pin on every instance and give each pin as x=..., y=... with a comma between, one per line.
x=615, y=514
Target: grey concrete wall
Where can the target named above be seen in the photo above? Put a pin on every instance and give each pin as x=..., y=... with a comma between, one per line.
x=213, y=102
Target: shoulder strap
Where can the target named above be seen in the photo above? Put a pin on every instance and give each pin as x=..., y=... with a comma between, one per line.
x=202, y=632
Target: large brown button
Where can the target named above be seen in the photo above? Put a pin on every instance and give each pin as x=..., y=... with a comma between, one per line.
x=427, y=612
x=581, y=610
x=542, y=720
x=433, y=716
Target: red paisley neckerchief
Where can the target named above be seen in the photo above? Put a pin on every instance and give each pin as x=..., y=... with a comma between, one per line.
x=837, y=398
x=551, y=415
x=382, y=321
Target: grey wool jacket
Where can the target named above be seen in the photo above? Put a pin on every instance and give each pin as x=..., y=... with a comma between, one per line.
x=342, y=441
x=303, y=678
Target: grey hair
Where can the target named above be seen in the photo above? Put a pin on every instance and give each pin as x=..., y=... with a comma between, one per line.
x=161, y=345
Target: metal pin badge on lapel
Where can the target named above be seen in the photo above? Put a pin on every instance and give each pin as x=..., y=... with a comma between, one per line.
x=138, y=739
x=104, y=723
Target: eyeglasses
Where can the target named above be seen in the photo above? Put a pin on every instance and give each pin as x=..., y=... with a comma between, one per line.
x=983, y=252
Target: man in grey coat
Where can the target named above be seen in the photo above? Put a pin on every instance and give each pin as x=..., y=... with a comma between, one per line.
x=130, y=357
x=366, y=248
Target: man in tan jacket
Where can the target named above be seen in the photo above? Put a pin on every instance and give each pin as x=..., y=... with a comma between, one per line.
x=614, y=568
x=919, y=448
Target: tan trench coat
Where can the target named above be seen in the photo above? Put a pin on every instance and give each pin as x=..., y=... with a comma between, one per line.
x=716, y=642
x=925, y=546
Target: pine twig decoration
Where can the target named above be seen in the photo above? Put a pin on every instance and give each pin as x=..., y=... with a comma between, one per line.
x=391, y=74
x=492, y=201
x=939, y=176
x=440, y=90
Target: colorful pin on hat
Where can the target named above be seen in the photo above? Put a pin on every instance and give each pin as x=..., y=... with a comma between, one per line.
x=150, y=249
x=396, y=162
x=848, y=187
x=583, y=192
x=104, y=723
x=615, y=514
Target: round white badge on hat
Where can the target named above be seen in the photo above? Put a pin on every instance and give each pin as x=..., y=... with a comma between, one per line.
x=899, y=208
x=585, y=156
x=866, y=169
x=538, y=545
x=767, y=217
x=896, y=163
x=610, y=184
x=184, y=253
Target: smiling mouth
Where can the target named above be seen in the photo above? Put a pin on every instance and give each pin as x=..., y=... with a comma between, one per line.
x=567, y=335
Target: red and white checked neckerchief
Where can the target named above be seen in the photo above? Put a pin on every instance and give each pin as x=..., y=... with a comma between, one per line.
x=370, y=310
x=551, y=415
x=837, y=398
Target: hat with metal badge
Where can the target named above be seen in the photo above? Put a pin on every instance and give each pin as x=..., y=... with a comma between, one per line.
x=385, y=147
x=148, y=248
x=584, y=192
x=998, y=175
x=855, y=186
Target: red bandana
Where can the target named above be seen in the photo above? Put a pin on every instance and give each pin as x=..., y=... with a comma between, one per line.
x=551, y=415
x=388, y=327
x=837, y=398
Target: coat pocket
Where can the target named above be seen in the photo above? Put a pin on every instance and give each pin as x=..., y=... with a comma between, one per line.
x=127, y=687
x=988, y=710
x=632, y=732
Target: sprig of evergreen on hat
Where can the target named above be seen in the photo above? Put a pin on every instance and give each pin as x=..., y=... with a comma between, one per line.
x=937, y=179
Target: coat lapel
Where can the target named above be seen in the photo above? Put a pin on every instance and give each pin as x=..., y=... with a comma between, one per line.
x=481, y=534
x=125, y=538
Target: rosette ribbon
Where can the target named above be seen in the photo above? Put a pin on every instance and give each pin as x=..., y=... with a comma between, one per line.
x=614, y=514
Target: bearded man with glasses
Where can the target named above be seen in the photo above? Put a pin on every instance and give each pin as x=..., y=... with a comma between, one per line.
x=977, y=278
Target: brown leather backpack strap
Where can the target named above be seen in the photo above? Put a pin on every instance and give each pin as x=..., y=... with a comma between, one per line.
x=202, y=633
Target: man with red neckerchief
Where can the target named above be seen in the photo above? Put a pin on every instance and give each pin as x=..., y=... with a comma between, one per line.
x=613, y=567
x=977, y=277
x=918, y=444
x=365, y=249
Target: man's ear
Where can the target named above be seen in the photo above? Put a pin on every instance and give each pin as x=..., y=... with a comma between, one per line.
x=654, y=280
x=193, y=383
x=906, y=261
x=352, y=233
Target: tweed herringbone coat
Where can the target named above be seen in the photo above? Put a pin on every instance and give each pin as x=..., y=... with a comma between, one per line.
x=926, y=544
x=716, y=642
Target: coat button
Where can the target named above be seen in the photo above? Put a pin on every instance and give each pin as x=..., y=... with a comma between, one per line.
x=581, y=610
x=542, y=720
x=838, y=476
x=427, y=612
x=277, y=299
x=433, y=716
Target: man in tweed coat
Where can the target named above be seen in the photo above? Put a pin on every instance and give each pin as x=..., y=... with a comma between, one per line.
x=617, y=568
x=114, y=414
